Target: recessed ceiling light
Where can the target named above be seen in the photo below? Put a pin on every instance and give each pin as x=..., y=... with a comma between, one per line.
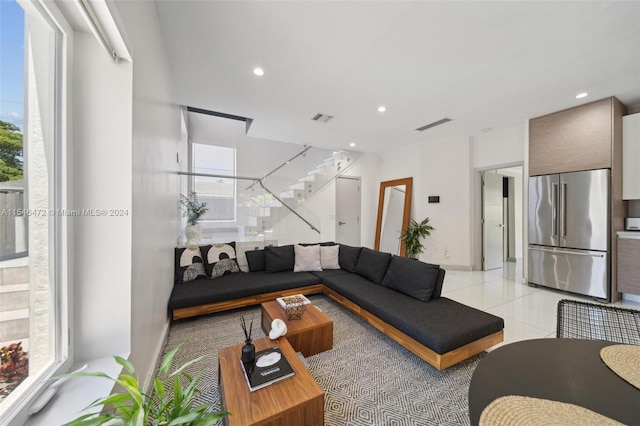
x=581, y=95
x=382, y=108
x=258, y=71
x=352, y=144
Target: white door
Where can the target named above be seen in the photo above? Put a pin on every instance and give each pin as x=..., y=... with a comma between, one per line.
x=348, y=210
x=492, y=221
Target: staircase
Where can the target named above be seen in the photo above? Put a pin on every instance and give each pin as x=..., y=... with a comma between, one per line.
x=297, y=193
x=14, y=302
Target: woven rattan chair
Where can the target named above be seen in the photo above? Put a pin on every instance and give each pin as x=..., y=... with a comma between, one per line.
x=582, y=320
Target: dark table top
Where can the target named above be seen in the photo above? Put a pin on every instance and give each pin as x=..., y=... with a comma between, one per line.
x=565, y=370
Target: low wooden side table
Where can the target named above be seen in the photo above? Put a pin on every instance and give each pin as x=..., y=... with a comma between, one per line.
x=311, y=334
x=294, y=401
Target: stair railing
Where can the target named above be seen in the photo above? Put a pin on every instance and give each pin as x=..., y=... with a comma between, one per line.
x=256, y=181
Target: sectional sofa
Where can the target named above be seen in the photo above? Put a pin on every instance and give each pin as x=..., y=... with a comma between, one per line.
x=397, y=295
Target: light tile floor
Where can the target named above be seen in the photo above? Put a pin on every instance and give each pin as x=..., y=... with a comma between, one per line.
x=528, y=312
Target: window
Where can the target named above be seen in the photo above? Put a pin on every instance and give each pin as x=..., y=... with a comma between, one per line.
x=33, y=325
x=219, y=193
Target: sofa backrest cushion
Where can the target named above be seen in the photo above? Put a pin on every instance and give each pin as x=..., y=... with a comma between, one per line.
x=329, y=257
x=189, y=264
x=307, y=258
x=412, y=277
x=278, y=259
x=255, y=260
x=348, y=257
x=439, y=282
x=373, y=265
x=220, y=259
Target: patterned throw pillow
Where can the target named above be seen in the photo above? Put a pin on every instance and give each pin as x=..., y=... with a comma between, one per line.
x=220, y=259
x=189, y=264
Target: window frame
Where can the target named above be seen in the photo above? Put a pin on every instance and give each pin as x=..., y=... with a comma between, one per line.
x=59, y=243
x=191, y=183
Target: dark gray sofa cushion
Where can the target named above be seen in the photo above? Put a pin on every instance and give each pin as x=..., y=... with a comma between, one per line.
x=348, y=257
x=437, y=290
x=255, y=260
x=442, y=324
x=278, y=259
x=329, y=273
x=411, y=277
x=236, y=286
x=373, y=264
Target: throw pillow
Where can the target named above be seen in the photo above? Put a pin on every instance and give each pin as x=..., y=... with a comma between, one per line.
x=220, y=259
x=329, y=257
x=348, y=257
x=278, y=259
x=373, y=264
x=412, y=277
x=255, y=259
x=188, y=264
x=307, y=258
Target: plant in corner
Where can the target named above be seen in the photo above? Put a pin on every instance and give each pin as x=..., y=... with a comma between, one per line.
x=193, y=207
x=412, y=235
x=136, y=407
x=194, y=210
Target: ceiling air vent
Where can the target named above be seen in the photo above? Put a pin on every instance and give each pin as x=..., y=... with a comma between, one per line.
x=434, y=124
x=322, y=118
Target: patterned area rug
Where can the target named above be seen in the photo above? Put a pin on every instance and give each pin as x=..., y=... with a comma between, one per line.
x=368, y=378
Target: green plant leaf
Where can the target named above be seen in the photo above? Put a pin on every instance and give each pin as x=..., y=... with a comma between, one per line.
x=125, y=364
x=168, y=359
x=188, y=364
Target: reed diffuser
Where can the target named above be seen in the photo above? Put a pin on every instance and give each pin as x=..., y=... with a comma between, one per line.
x=248, y=350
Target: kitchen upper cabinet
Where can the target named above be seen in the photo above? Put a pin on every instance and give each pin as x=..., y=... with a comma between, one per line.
x=575, y=139
x=631, y=157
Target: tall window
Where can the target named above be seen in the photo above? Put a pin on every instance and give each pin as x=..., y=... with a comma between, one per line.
x=33, y=325
x=219, y=193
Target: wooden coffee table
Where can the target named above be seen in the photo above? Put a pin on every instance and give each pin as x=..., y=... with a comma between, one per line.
x=294, y=401
x=311, y=334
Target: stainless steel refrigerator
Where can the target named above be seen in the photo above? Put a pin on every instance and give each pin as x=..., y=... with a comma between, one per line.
x=569, y=232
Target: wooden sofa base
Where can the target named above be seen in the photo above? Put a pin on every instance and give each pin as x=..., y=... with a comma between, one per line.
x=210, y=308
x=439, y=361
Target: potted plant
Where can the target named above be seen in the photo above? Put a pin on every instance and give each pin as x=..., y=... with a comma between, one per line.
x=194, y=211
x=412, y=235
x=132, y=405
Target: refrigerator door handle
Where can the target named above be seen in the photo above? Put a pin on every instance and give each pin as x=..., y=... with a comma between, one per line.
x=563, y=211
x=576, y=253
x=554, y=210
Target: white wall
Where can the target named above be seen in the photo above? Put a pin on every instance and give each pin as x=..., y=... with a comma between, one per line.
x=155, y=184
x=438, y=168
x=102, y=180
x=500, y=147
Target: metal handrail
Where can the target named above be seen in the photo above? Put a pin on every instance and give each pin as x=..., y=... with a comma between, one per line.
x=307, y=148
x=260, y=182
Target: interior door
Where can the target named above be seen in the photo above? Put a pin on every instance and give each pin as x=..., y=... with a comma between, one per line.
x=348, y=210
x=492, y=221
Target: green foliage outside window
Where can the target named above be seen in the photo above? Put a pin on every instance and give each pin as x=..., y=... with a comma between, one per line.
x=10, y=152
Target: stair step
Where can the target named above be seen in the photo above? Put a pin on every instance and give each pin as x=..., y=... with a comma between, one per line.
x=14, y=315
x=299, y=185
x=292, y=194
x=13, y=300
x=14, y=275
x=317, y=171
x=308, y=178
x=14, y=330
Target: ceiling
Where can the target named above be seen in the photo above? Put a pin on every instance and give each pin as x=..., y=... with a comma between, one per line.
x=483, y=64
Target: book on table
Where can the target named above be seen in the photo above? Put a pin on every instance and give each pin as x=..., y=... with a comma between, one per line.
x=291, y=300
x=270, y=366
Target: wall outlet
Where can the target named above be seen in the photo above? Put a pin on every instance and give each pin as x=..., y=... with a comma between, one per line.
x=447, y=252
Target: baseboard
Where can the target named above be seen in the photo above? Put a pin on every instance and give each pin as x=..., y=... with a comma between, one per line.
x=158, y=357
x=457, y=267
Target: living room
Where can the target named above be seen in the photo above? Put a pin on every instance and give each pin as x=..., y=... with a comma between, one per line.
x=128, y=142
